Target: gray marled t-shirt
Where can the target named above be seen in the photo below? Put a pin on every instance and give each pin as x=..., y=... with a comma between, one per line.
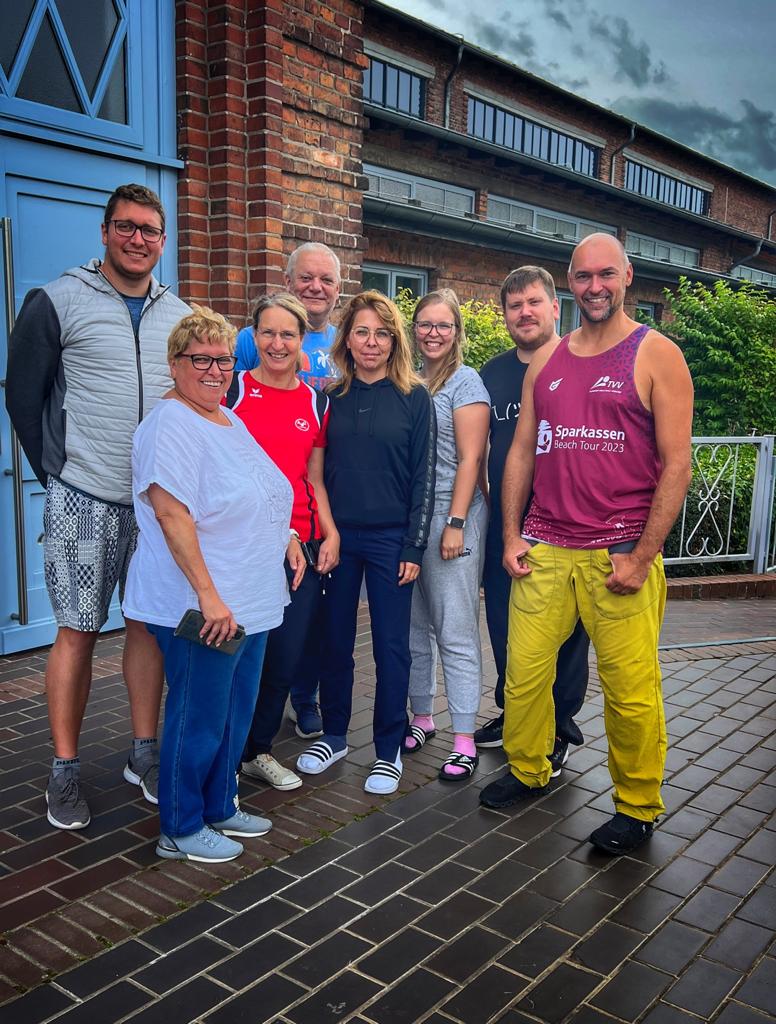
x=465, y=387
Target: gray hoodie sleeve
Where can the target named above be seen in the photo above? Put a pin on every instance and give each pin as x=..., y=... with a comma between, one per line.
x=34, y=355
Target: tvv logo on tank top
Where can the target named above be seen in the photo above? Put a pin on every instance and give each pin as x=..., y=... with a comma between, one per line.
x=605, y=385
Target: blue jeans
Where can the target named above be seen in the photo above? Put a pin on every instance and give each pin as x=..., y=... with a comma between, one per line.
x=207, y=713
x=296, y=641
x=373, y=553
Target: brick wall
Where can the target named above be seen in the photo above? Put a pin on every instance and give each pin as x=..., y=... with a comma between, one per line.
x=269, y=129
x=323, y=130
x=735, y=200
x=272, y=136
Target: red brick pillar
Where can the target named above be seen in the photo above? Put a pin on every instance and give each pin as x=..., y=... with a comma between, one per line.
x=323, y=130
x=270, y=128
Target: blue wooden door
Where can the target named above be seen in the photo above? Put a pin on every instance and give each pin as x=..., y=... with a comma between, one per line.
x=86, y=103
x=53, y=201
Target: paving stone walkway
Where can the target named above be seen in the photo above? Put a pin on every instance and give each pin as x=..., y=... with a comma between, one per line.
x=421, y=907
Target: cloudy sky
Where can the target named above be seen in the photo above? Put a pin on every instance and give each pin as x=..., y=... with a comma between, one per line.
x=701, y=71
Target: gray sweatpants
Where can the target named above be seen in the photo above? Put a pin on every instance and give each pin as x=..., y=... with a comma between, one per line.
x=446, y=617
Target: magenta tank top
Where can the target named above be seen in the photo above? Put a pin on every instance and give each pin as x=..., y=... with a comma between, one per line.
x=596, y=459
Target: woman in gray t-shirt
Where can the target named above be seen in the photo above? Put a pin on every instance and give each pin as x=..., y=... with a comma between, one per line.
x=446, y=601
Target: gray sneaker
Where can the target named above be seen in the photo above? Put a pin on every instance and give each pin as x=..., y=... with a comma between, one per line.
x=66, y=805
x=144, y=772
x=204, y=847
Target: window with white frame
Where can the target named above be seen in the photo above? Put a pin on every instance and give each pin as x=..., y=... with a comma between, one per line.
x=659, y=249
x=415, y=191
x=755, y=276
x=527, y=217
x=654, y=184
x=570, y=317
x=645, y=311
x=392, y=279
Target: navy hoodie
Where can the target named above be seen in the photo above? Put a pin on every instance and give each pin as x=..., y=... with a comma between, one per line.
x=380, y=460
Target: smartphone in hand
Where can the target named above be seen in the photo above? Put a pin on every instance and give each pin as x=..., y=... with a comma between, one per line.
x=191, y=626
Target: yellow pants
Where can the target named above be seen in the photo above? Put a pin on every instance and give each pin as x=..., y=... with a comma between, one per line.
x=543, y=608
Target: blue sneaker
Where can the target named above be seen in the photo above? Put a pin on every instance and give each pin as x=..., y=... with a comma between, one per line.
x=309, y=723
x=247, y=826
x=205, y=847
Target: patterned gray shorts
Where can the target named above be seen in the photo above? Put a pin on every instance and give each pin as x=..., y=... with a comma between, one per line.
x=87, y=547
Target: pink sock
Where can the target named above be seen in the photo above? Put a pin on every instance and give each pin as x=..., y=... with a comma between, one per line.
x=424, y=722
x=461, y=745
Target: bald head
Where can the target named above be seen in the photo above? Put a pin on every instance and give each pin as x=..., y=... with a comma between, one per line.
x=605, y=245
x=599, y=274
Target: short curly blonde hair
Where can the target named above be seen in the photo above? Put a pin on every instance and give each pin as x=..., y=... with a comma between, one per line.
x=202, y=324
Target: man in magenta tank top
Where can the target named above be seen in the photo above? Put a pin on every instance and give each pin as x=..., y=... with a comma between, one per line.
x=604, y=438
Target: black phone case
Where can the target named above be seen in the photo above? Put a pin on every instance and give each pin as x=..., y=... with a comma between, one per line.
x=191, y=624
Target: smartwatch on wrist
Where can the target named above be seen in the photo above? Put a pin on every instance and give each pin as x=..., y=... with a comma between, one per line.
x=456, y=522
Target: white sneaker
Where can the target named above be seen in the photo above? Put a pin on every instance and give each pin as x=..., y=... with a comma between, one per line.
x=266, y=768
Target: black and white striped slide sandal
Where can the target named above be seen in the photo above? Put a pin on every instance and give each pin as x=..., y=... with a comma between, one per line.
x=318, y=758
x=384, y=777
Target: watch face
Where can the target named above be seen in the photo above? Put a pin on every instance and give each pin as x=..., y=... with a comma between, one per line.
x=456, y=522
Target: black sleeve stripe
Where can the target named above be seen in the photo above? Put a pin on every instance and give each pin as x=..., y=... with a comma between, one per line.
x=427, y=508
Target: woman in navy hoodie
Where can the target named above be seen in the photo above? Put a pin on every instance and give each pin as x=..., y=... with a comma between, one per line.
x=379, y=474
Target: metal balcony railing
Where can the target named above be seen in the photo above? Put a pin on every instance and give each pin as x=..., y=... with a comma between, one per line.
x=728, y=515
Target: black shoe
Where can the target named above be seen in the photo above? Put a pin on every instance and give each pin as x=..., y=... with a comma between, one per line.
x=622, y=834
x=508, y=790
x=558, y=757
x=491, y=734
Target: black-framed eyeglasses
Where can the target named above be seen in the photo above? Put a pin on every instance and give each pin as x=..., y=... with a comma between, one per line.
x=200, y=361
x=127, y=228
x=426, y=327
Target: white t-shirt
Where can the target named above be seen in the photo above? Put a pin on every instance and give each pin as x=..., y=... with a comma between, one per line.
x=240, y=503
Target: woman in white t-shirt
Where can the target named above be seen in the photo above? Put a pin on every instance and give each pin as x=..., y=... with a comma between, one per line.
x=446, y=601
x=213, y=511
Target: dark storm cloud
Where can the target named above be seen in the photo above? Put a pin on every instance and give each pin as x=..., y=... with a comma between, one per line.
x=747, y=141
x=632, y=57
x=554, y=11
x=497, y=35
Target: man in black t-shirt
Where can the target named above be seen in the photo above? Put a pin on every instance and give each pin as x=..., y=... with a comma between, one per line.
x=530, y=313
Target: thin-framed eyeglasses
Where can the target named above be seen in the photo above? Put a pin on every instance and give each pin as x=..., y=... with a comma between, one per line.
x=426, y=327
x=382, y=335
x=127, y=229
x=201, y=361
x=285, y=336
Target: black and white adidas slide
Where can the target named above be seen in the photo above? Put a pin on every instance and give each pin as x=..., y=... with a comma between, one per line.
x=318, y=758
x=384, y=777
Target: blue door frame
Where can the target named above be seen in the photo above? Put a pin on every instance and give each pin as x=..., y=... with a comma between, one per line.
x=57, y=170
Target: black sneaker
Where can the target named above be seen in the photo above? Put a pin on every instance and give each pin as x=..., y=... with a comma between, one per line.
x=508, y=790
x=622, y=834
x=491, y=734
x=558, y=757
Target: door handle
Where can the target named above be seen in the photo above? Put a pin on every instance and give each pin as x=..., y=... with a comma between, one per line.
x=22, y=616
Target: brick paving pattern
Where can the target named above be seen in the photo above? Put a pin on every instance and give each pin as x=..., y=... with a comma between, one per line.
x=421, y=907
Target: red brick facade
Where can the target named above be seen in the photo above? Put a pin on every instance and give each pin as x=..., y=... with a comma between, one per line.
x=272, y=130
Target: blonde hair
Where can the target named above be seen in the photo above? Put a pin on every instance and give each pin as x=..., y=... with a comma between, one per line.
x=202, y=324
x=400, y=362
x=454, y=357
x=282, y=300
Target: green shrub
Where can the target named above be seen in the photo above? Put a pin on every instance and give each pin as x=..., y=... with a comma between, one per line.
x=728, y=336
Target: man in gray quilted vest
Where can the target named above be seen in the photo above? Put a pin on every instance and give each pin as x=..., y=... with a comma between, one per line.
x=87, y=361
